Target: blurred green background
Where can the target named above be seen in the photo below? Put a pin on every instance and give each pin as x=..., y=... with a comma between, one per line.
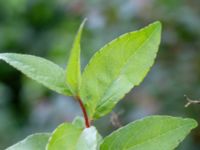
x=47, y=28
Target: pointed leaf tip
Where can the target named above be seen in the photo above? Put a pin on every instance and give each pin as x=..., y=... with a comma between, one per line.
x=83, y=22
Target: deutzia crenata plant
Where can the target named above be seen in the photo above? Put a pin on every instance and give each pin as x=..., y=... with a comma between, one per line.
x=111, y=73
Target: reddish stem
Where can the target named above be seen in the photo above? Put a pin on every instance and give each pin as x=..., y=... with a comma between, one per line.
x=87, y=122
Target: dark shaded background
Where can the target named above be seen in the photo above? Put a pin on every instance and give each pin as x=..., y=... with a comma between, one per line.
x=47, y=28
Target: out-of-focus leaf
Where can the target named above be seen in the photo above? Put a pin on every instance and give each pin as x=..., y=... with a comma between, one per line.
x=73, y=71
x=117, y=67
x=33, y=142
x=40, y=70
x=151, y=133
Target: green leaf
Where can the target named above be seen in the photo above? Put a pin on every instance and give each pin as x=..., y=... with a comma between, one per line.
x=73, y=71
x=79, y=122
x=33, y=142
x=117, y=67
x=89, y=139
x=40, y=70
x=151, y=133
x=64, y=137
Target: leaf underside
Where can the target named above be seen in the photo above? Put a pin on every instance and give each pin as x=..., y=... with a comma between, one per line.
x=151, y=133
x=89, y=139
x=117, y=67
x=39, y=69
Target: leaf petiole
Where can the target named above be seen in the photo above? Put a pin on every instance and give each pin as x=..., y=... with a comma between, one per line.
x=87, y=121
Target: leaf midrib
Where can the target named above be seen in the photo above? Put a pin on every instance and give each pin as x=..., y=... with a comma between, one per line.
x=121, y=71
x=151, y=139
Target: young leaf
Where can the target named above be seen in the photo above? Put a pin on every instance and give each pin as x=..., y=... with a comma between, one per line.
x=64, y=137
x=73, y=71
x=151, y=133
x=89, y=139
x=79, y=122
x=117, y=67
x=40, y=70
x=33, y=142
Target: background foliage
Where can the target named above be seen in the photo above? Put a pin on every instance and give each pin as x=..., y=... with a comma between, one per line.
x=47, y=28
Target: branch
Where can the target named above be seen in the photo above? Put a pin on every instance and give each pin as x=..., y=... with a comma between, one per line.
x=115, y=120
x=190, y=101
